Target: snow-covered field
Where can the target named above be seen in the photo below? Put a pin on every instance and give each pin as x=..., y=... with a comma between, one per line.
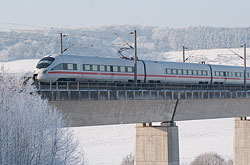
x=106, y=145
x=19, y=66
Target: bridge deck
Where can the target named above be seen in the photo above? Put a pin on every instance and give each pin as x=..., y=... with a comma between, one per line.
x=115, y=103
x=105, y=112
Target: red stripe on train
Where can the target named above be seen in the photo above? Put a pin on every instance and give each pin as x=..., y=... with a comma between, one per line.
x=230, y=78
x=61, y=72
x=115, y=74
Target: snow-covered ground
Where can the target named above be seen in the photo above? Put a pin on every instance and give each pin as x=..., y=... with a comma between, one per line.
x=106, y=145
x=19, y=66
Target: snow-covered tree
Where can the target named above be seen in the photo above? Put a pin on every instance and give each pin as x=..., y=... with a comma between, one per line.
x=210, y=158
x=31, y=131
x=128, y=160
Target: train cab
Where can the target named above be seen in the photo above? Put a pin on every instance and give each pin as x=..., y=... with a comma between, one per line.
x=41, y=68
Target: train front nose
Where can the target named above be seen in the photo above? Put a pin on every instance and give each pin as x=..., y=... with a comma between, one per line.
x=40, y=73
x=40, y=76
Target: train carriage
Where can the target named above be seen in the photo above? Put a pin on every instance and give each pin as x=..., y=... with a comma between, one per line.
x=229, y=74
x=187, y=73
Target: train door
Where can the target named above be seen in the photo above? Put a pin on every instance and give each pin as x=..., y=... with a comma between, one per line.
x=79, y=69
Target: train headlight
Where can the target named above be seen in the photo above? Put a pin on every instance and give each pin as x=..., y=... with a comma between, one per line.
x=45, y=71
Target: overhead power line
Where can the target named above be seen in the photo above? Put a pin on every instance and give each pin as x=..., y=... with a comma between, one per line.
x=16, y=24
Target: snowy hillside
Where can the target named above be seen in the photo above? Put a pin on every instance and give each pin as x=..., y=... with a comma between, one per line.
x=107, y=40
x=19, y=66
x=209, y=56
x=106, y=145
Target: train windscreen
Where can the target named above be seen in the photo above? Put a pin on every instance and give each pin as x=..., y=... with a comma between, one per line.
x=45, y=62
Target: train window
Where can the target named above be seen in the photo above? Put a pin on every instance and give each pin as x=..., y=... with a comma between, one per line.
x=174, y=71
x=204, y=73
x=190, y=72
x=122, y=68
x=58, y=67
x=70, y=67
x=45, y=62
x=216, y=73
x=65, y=67
x=130, y=69
x=184, y=71
x=115, y=68
x=102, y=68
x=168, y=71
x=237, y=74
x=86, y=67
x=247, y=74
x=94, y=67
x=194, y=72
x=179, y=71
x=108, y=68
x=199, y=72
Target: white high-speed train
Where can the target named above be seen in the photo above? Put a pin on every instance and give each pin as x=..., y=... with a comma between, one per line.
x=82, y=68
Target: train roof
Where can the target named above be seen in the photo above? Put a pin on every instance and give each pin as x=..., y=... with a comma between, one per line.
x=147, y=61
x=74, y=56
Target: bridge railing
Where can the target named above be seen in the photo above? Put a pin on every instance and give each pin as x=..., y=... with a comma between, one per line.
x=130, y=91
x=78, y=86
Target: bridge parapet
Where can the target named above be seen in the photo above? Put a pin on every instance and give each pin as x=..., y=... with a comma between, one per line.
x=141, y=91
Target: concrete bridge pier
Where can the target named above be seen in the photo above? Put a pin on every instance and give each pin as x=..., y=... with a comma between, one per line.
x=157, y=145
x=241, y=141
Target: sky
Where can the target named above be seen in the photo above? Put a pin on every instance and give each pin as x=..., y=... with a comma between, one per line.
x=85, y=13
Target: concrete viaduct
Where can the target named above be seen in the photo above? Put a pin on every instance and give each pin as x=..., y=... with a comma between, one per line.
x=155, y=145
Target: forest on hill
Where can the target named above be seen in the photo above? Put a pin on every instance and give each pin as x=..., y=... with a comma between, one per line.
x=108, y=40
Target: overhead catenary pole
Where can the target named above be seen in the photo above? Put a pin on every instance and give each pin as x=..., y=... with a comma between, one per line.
x=183, y=53
x=245, y=63
x=61, y=49
x=135, y=59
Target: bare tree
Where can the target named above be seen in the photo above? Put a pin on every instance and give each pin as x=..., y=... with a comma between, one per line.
x=32, y=132
x=128, y=160
x=210, y=159
x=229, y=162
